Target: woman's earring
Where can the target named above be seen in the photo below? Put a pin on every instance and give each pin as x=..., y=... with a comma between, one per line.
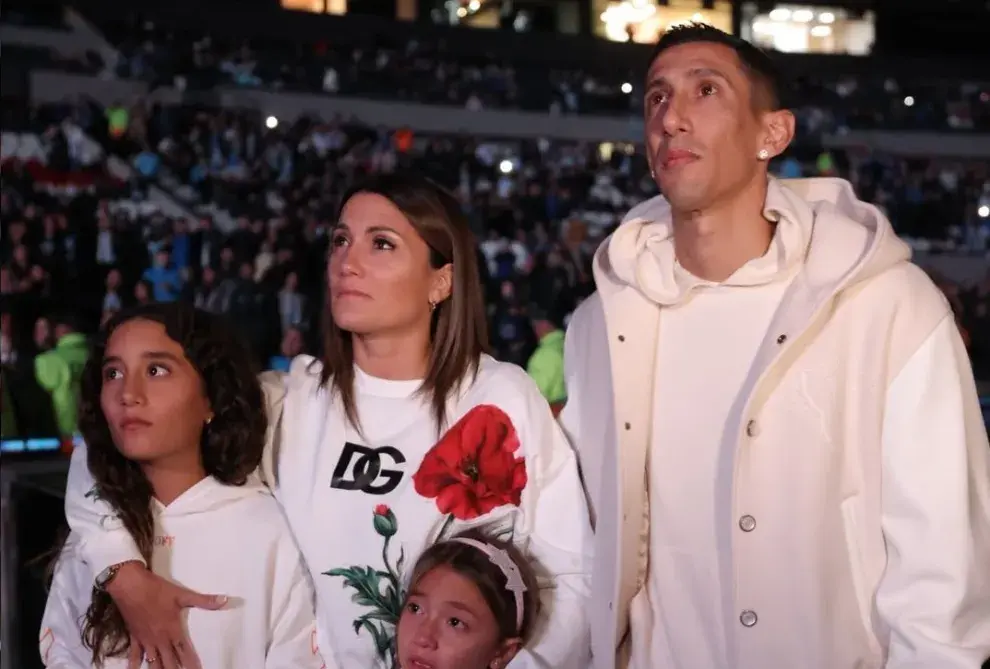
x=209, y=419
x=763, y=154
x=433, y=306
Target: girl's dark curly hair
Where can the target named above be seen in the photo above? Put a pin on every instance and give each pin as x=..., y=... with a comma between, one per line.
x=232, y=444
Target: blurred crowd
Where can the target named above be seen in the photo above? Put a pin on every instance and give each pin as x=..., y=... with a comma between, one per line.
x=267, y=194
x=428, y=72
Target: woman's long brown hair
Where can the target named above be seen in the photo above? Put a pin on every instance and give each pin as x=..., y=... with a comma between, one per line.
x=459, y=329
x=231, y=447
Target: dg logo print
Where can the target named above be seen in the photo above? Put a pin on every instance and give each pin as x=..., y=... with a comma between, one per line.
x=360, y=468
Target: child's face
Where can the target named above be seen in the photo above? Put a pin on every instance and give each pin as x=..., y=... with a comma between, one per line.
x=447, y=624
x=152, y=396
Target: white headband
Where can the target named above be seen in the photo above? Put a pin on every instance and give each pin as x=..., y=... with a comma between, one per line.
x=514, y=582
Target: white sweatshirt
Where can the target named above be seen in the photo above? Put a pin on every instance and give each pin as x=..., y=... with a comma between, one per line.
x=231, y=540
x=708, y=339
x=361, y=520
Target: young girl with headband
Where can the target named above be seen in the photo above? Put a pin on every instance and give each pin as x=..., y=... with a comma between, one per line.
x=472, y=603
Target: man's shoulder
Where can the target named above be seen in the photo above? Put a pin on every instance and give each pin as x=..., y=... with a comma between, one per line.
x=900, y=306
x=587, y=322
x=589, y=311
x=905, y=293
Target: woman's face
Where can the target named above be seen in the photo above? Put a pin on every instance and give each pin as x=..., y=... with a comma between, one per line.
x=447, y=624
x=152, y=397
x=141, y=292
x=379, y=274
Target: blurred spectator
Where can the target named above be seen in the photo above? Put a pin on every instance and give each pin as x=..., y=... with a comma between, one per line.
x=292, y=345
x=8, y=416
x=974, y=305
x=165, y=278
x=59, y=371
x=143, y=292
x=118, y=118
x=44, y=335
x=112, y=301
x=291, y=303
x=546, y=364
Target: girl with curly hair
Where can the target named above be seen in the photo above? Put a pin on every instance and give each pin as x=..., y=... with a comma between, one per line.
x=174, y=422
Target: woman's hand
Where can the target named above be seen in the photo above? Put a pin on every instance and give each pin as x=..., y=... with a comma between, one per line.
x=151, y=608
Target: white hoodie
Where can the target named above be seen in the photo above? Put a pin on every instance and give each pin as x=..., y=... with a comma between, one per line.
x=231, y=540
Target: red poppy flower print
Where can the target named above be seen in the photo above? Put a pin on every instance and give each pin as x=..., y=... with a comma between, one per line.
x=473, y=469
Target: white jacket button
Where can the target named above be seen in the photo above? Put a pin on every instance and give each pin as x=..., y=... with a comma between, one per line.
x=747, y=523
x=752, y=429
x=747, y=618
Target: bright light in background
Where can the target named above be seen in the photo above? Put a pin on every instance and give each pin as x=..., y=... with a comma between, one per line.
x=474, y=5
x=461, y=12
x=271, y=122
x=909, y=101
x=983, y=211
x=505, y=167
x=618, y=16
x=761, y=27
x=780, y=14
x=627, y=88
x=821, y=31
x=803, y=15
x=826, y=17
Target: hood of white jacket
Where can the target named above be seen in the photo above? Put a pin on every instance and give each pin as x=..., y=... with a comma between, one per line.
x=210, y=495
x=840, y=240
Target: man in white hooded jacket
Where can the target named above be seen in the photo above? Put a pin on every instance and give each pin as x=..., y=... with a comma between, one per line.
x=775, y=414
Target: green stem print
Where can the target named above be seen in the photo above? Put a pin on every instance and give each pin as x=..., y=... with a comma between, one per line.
x=378, y=590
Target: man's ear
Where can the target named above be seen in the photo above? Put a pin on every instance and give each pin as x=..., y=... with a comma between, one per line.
x=778, y=131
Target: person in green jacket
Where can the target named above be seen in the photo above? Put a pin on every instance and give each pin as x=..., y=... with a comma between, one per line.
x=546, y=365
x=8, y=417
x=59, y=370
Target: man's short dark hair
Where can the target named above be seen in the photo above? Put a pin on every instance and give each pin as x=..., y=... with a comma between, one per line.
x=765, y=77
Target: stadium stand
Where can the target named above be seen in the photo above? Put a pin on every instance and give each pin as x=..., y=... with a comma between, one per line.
x=107, y=201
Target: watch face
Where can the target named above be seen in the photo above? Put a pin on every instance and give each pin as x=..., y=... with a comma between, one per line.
x=104, y=576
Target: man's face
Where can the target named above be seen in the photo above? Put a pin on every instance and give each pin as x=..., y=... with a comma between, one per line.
x=702, y=133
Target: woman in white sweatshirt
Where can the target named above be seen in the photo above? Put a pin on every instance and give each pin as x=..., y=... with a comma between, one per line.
x=174, y=423
x=404, y=433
